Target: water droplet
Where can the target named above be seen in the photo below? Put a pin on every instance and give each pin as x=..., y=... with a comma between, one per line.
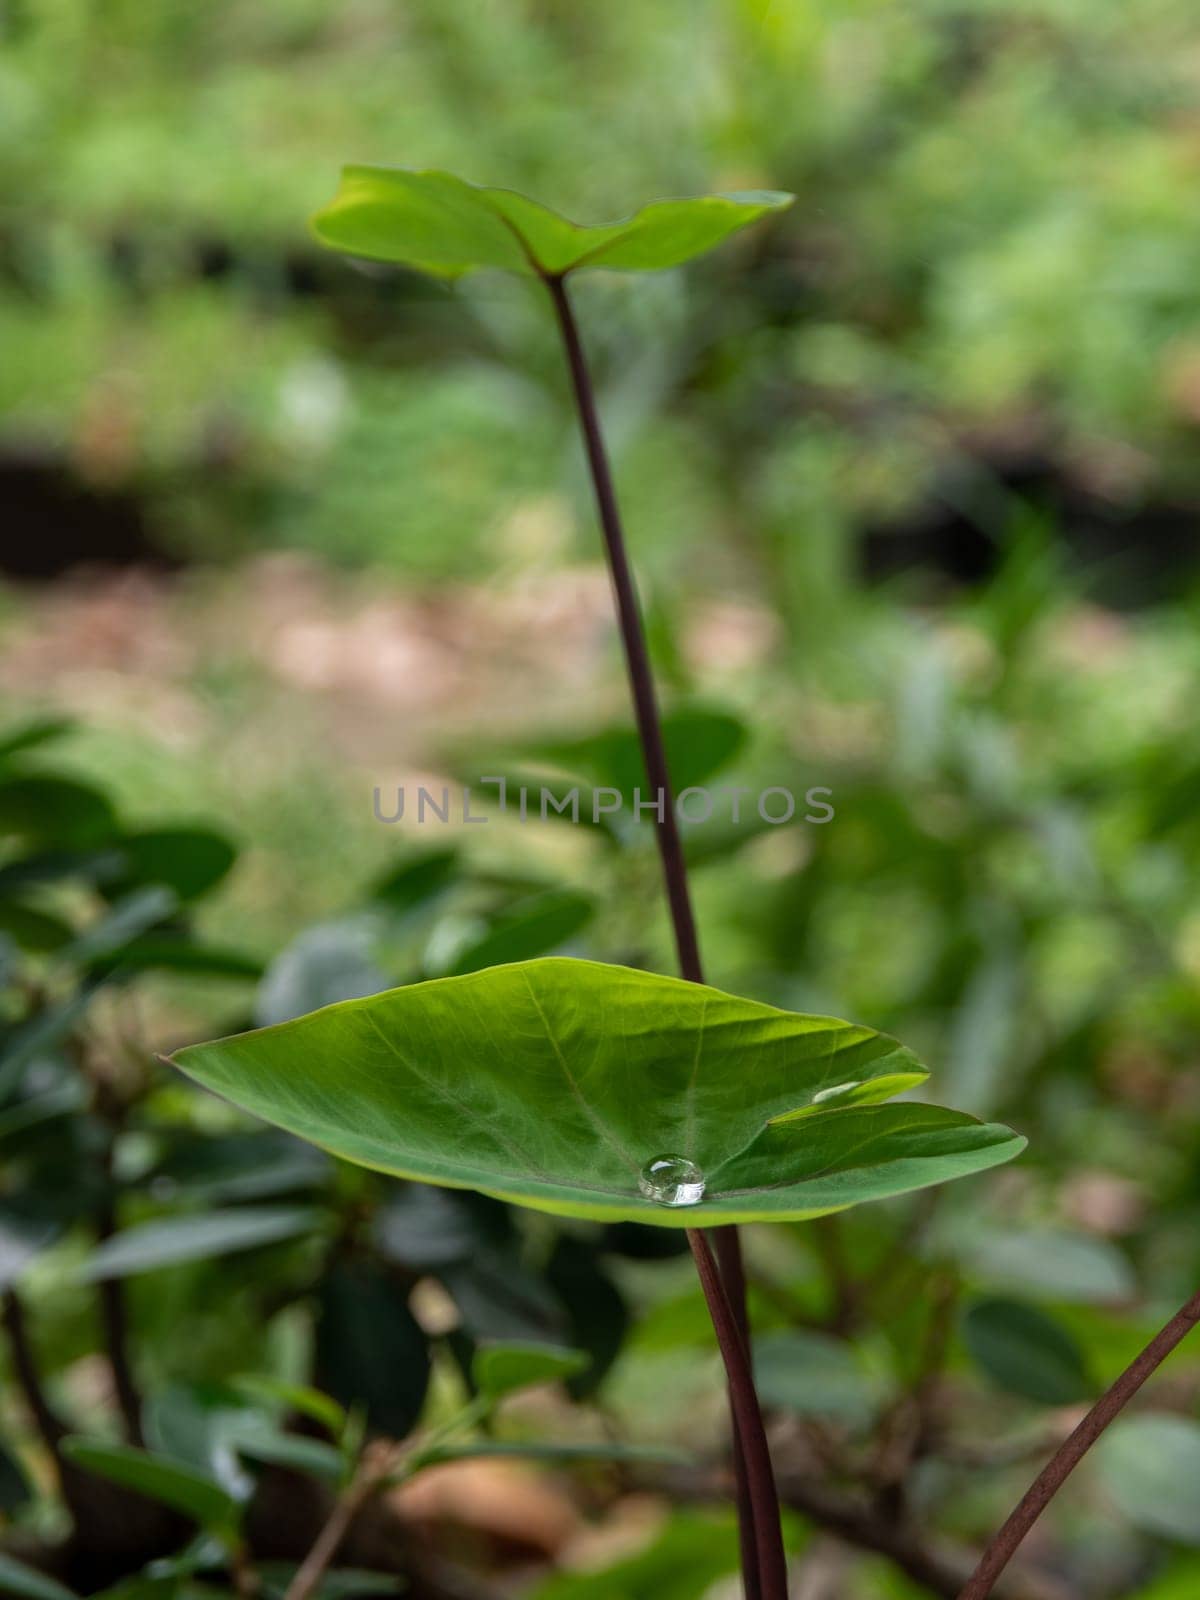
x=672, y=1181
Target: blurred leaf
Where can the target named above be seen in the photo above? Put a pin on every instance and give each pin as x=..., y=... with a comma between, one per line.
x=294, y=1450
x=22, y=1118
x=1053, y=1263
x=597, y=1316
x=370, y=1351
x=662, y=1070
x=240, y=1166
x=1150, y=1465
x=816, y=1375
x=526, y=929
x=1026, y=1351
x=437, y=223
x=130, y=917
x=501, y=1369
x=417, y=880
x=346, y=1583
x=16, y=1578
x=33, y=929
x=199, y=1425
x=498, y=1297
x=27, y=735
x=164, y=951
x=40, y=1034
x=14, y=1486
x=174, y=1483
x=332, y=962
x=167, y=1241
x=23, y=1236
x=299, y=1397
x=421, y=1226
x=699, y=742
x=55, y=811
x=188, y=861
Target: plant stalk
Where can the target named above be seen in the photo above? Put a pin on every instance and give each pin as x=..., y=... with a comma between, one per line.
x=1073, y=1449
x=368, y=1479
x=756, y=1455
x=670, y=845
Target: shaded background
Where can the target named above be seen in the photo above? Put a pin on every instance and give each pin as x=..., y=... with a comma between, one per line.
x=911, y=482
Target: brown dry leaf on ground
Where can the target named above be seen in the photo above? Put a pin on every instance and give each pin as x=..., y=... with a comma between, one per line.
x=517, y=1512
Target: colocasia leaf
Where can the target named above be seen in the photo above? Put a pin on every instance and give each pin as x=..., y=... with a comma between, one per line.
x=597, y=1091
x=436, y=223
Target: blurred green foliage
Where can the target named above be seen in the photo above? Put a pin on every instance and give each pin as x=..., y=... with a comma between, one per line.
x=992, y=267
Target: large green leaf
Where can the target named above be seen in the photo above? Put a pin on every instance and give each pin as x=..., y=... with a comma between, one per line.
x=434, y=222
x=555, y=1083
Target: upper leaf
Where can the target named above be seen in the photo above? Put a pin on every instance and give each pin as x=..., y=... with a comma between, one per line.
x=554, y=1083
x=434, y=222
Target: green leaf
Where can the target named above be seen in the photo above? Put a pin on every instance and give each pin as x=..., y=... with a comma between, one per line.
x=554, y=1083
x=434, y=222
x=277, y=1392
x=280, y=1449
x=170, y=1240
x=417, y=880
x=333, y=961
x=174, y=1483
x=188, y=861
x=371, y=1351
x=14, y=1486
x=1026, y=1351
x=239, y=1166
x=501, y=1369
x=816, y=1375
x=1050, y=1262
x=423, y=1227
x=23, y=1236
x=597, y=1316
x=16, y=1578
x=1150, y=1465
x=526, y=929
x=32, y=928
x=130, y=918
x=168, y=951
x=347, y=1583
x=55, y=811
x=699, y=742
x=38, y=730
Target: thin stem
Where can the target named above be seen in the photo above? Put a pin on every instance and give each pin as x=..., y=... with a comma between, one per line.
x=756, y=1455
x=50, y=1426
x=1072, y=1451
x=372, y=1473
x=114, y=1316
x=633, y=638
x=670, y=845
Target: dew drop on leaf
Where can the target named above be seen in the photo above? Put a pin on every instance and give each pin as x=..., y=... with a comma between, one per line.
x=672, y=1181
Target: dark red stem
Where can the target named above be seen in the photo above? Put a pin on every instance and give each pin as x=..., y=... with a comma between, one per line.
x=756, y=1455
x=1072, y=1451
x=670, y=845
